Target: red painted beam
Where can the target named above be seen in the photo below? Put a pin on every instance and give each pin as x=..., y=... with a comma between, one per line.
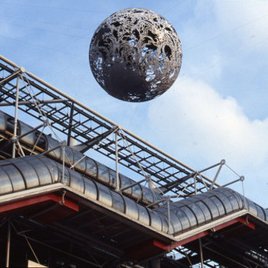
x=169, y=247
x=37, y=200
x=246, y=222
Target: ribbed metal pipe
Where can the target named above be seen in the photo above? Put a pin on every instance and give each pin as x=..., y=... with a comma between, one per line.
x=36, y=171
x=82, y=163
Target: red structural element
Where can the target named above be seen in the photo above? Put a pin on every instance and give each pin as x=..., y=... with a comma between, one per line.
x=37, y=200
x=246, y=222
x=169, y=247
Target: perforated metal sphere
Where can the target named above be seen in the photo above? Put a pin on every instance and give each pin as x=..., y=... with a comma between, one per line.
x=135, y=55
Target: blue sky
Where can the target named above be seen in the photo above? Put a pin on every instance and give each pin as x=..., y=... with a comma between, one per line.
x=217, y=108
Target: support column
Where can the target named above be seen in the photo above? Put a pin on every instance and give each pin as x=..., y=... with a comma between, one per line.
x=14, y=138
x=116, y=161
x=8, y=245
x=201, y=253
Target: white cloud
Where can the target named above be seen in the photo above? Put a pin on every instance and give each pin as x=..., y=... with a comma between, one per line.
x=209, y=68
x=205, y=127
x=245, y=19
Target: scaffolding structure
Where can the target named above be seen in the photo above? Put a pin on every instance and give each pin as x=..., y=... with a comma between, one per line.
x=63, y=117
x=76, y=122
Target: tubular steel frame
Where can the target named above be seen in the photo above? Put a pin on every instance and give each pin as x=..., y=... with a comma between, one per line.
x=26, y=92
x=74, y=120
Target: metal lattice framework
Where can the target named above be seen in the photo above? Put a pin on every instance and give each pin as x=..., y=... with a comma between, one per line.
x=71, y=120
x=76, y=121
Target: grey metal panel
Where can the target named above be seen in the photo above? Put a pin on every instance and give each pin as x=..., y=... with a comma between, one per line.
x=51, y=144
x=245, y=203
x=66, y=177
x=77, y=181
x=118, y=201
x=188, y=212
x=10, y=124
x=239, y=197
x=148, y=195
x=164, y=215
x=184, y=214
x=68, y=154
x=42, y=171
x=15, y=177
x=212, y=207
x=86, y=166
x=112, y=176
x=91, y=167
x=6, y=186
x=90, y=189
x=218, y=203
x=235, y=199
x=175, y=224
x=198, y=213
x=156, y=221
x=124, y=182
x=252, y=208
x=137, y=192
x=205, y=210
x=41, y=140
x=104, y=195
x=185, y=223
x=103, y=174
x=30, y=138
x=144, y=216
x=232, y=199
x=28, y=172
x=2, y=121
x=182, y=203
x=226, y=203
x=51, y=170
x=165, y=224
x=131, y=208
x=266, y=214
x=79, y=161
x=260, y=212
x=195, y=209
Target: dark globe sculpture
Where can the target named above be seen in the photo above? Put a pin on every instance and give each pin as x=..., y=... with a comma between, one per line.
x=135, y=55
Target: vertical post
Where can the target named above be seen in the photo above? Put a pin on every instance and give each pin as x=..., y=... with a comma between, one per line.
x=63, y=162
x=201, y=254
x=195, y=186
x=8, y=245
x=168, y=207
x=242, y=178
x=14, y=138
x=117, y=186
x=217, y=174
x=70, y=125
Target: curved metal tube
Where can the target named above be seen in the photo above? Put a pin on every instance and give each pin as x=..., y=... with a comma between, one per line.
x=81, y=163
x=35, y=171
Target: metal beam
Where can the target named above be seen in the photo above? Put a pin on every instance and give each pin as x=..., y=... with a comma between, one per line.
x=10, y=77
x=37, y=200
x=4, y=104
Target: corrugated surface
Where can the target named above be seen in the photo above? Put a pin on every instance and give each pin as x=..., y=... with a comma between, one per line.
x=35, y=171
x=83, y=164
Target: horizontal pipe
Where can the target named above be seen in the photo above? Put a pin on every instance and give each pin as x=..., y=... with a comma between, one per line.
x=130, y=134
x=37, y=200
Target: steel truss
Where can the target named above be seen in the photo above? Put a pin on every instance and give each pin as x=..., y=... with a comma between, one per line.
x=75, y=121
x=70, y=120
